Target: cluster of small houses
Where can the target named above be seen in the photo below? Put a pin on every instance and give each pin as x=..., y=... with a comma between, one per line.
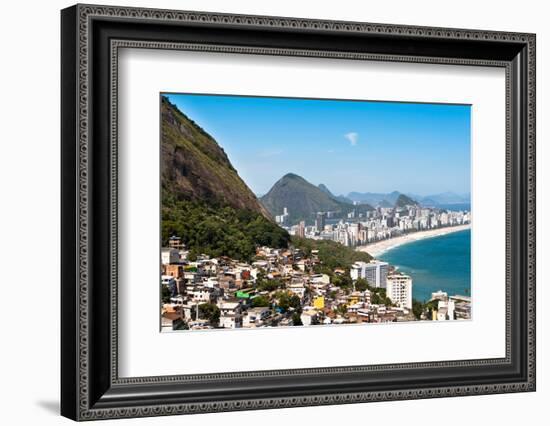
x=230, y=285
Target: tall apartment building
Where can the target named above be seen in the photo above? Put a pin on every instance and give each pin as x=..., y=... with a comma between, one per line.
x=320, y=221
x=301, y=231
x=375, y=272
x=399, y=290
x=283, y=218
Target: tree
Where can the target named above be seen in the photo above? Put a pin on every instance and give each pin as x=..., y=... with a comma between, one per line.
x=165, y=294
x=260, y=301
x=361, y=284
x=331, y=253
x=376, y=299
x=417, y=308
x=208, y=311
x=288, y=300
x=342, y=281
x=431, y=306
x=296, y=320
x=268, y=285
x=215, y=230
x=192, y=256
x=342, y=309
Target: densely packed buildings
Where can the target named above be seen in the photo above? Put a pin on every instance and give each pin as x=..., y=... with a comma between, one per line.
x=375, y=225
x=283, y=287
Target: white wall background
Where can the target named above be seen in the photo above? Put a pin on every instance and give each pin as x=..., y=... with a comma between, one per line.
x=29, y=210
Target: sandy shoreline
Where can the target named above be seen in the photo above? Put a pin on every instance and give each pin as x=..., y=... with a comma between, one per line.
x=376, y=249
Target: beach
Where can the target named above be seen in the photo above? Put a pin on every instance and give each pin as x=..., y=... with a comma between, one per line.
x=380, y=247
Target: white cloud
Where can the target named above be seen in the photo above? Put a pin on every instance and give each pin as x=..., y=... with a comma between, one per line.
x=352, y=137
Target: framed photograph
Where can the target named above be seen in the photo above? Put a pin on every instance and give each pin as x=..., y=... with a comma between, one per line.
x=263, y=212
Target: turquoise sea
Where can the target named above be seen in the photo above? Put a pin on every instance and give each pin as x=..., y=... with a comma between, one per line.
x=438, y=263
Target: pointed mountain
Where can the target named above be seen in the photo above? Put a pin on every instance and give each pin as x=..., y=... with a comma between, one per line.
x=303, y=200
x=324, y=188
x=403, y=201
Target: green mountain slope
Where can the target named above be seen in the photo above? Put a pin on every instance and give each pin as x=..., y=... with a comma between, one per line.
x=304, y=200
x=195, y=167
x=403, y=201
x=340, y=198
x=204, y=200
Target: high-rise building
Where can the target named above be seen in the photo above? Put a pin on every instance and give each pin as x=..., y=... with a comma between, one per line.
x=283, y=218
x=320, y=221
x=301, y=231
x=375, y=272
x=399, y=290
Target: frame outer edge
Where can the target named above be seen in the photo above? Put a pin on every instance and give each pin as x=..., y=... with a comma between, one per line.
x=69, y=220
x=80, y=318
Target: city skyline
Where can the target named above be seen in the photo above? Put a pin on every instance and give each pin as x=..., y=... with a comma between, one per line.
x=361, y=146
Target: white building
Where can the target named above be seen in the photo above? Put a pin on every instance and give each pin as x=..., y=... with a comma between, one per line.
x=298, y=289
x=399, y=290
x=375, y=272
x=309, y=317
x=168, y=280
x=169, y=255
x=200, y=294
x=230, y=314
x=446, y=310
x=439, y=295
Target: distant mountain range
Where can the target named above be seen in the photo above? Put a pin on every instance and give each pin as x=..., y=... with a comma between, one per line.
x=389, y=199
x=374, y=198
x=303, y=200
x=340, y=198
x=445, y=198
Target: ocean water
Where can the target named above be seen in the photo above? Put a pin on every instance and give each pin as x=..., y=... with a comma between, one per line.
x=438, y=263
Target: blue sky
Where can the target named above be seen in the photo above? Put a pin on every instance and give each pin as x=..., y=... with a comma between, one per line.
x=347, y=145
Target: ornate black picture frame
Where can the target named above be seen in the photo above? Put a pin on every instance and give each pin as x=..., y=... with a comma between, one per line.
x=91, y=36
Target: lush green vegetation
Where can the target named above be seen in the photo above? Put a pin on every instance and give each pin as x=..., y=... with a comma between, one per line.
x=331, y=254
x=260, y=301
x=208, y=311
x=296, y=320
x=403, y=201
x=361, y=284
x=379, y=297
x=165, y=294
x=428, y=308
x=263, y=284
x=342, y=281
x=417, y=308
x=219, y=231
x=204, y=201
x=287, y=300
